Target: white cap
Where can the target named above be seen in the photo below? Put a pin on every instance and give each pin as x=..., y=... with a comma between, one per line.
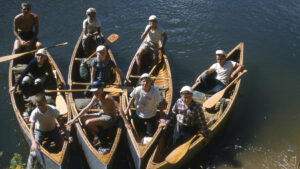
x=152, y=17
x=100, y=48
x=90, y=10
x=186, y=89
x=220, y=52
x=41, y=51
x=145, y=75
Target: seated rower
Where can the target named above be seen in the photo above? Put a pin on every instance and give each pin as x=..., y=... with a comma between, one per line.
x=225, y=71
x=24, y=23
x=43, y=124
x=152, y=34
x=105, y=118
x=189, y=117
x=147, y=99
x=103, y=68
x=36, y=74
x=91, y=29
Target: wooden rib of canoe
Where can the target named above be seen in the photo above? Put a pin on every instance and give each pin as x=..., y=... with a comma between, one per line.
x=162, y=79
x=216, y=123
x=94, y=158
x=47, y=157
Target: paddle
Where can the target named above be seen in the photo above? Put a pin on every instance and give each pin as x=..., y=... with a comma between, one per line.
x=213, y=100
x=119, y=90
x=110, y=39
x=13, y=56
x=60, y=102
x=179, y=152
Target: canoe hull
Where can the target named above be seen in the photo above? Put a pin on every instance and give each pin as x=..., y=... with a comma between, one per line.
x=197, y=146
x=46, y=159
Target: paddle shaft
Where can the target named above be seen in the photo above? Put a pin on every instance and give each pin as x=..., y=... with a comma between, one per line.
x=14, y=56
x=111, y=39
x=212, y=101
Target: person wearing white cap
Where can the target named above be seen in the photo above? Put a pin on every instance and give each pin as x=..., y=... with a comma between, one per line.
x=187, y=117
x=147, y=99
x=225, y=71
x=24, y=23
x=37, y=72
x=103, y=68
x=151, y=37
x=91, y=29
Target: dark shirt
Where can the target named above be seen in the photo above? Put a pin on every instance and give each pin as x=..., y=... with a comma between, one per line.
x=191, y=116
x=35, y=71
x=104, y=70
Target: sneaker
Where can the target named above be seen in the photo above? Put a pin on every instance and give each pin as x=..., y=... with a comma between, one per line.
x=103, y=151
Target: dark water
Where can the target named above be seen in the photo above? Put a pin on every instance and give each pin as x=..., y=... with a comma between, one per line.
x=264, y=130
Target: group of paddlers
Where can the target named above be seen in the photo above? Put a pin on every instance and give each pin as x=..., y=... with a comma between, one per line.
x=147, y=99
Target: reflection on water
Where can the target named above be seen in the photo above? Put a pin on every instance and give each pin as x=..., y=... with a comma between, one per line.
x=263, y=130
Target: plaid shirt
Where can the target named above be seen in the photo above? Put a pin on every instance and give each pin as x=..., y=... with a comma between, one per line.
x=191, y=116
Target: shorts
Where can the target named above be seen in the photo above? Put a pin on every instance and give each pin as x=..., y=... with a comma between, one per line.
x=26, y=35
x=151, y=47
x=107, y=120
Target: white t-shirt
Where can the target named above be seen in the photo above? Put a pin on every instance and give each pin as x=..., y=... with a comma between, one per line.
x=91, y=26
x=44, y=121
x=146, y=102
x=223, y=73
x=154, y=35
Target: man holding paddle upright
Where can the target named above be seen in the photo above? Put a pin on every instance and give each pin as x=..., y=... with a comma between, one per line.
x=225, y=70
x=24, y=23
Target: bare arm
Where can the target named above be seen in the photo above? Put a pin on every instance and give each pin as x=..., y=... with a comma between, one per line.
x=16, y=25
x=207, y=71
x=34, y=144
x=239, y=67
x=131, y=101
x=83, y=111
x=119, y=71
x=146, y=32
x=93, y=72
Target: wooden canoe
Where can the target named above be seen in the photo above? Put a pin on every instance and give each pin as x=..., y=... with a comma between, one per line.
x=162, y=79
x=215, y=120
x=94, y=158
x=46, y=156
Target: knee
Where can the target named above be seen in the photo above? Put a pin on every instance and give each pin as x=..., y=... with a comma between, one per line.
x=39, y=45
x=205, y=76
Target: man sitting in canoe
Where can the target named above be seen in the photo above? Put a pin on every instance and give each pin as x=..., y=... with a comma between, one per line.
x=225, y=71
x=189, y=117
x=24, y=23
x=147, y=99
x=37, y=72
x=106, y=118
x=43, y=124
x=103, y=69
x=152, y=34
x=91, y=29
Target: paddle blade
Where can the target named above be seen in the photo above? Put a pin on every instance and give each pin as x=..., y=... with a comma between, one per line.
x=177, y=154
x=11, y=57
x=213, y=100
x=61, y=104
x=112, y=38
